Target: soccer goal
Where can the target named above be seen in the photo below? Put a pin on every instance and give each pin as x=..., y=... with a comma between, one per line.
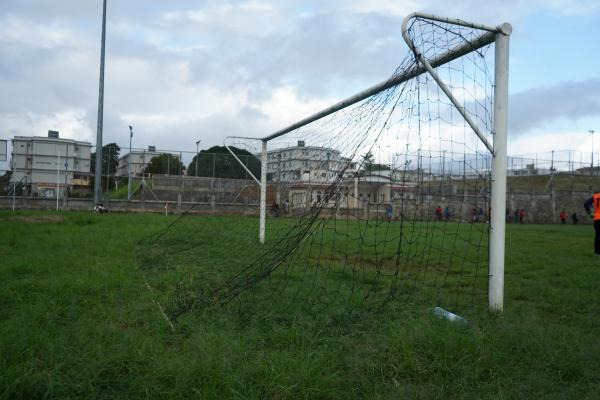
x=395, y=193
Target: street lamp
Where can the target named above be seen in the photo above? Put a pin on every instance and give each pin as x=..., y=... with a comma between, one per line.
x=197, y=143
x=129, y=165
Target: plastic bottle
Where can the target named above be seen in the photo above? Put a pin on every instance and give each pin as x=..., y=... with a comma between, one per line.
x=447, y=315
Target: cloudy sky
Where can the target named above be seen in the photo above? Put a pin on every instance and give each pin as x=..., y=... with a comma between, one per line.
x=184, y=70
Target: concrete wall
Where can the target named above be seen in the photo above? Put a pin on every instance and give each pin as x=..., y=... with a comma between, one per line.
x=540, y=208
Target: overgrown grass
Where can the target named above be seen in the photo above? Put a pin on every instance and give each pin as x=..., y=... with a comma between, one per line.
x=76, y=321
x=122, y=191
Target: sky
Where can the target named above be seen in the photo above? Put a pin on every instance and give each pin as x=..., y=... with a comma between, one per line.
x=185, y=70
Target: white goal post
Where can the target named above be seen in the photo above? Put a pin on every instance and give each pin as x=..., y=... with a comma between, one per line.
x=498, y=35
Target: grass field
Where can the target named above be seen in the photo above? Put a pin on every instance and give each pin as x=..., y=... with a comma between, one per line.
x=77, y=321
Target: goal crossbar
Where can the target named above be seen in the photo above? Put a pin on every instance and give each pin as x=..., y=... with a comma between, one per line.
x=482, y=41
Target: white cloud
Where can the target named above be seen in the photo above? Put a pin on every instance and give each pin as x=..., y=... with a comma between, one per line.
x=15, y=31
x=183, y=70
x=394, y=7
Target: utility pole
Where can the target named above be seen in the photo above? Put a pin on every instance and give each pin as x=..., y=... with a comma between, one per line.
x=197, y=143
x=129, y=165
x=98, y=173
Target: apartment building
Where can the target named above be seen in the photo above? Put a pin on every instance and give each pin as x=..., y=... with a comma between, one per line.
x=303, y=163
x=139, y=160
x=47, y=165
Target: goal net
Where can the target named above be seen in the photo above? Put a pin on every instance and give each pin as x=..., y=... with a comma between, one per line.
x=381, y=202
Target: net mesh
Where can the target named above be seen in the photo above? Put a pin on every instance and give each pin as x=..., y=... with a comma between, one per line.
x=383, y=203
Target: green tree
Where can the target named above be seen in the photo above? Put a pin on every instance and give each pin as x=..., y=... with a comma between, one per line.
x=5, y=185
x=110, y=159
x=218, y=162
x=368, y=159
x=165, y=164
x=369, y=164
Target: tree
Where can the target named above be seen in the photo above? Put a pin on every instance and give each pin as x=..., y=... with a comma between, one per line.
x=368, y=159
x=110, y=161
x=165, y=163
x=111, y=150
x=219, y=163
x=5, y=185
x=369, y=164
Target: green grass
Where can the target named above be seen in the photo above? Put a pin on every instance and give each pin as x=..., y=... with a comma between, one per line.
x=76, y=321
x=122, y=191
x=339, y=263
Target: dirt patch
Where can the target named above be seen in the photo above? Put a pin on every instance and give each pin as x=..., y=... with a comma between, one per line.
x=36, y=219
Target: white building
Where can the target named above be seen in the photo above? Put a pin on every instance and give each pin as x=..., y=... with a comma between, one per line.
x=305, y=164
x=358, y=189
x=47, y=163
x=139, y=160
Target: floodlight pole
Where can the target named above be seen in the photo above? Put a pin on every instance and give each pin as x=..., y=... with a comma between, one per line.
x=57, y=174
x=129, y=164
x=263, y=191
x=498, y=200
x=98, y=173
x=197, y=143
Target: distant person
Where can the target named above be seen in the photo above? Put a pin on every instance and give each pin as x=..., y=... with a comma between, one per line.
x=563, y=217
x=447, y=213
x=516, y=215
x=575, y=218
x=389, y=212
x=438, y=213
x=481, y=215
x=275, y=208
x=474, y=215
x=521, y=215
x=594, y=202
x=507, y=215
x=286, y=207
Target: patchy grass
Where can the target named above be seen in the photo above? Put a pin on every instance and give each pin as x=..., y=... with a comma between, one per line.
x=77, y=321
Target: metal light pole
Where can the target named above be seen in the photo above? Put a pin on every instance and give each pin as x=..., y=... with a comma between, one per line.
x=129, y=165
x=197, y=143
x=57, y=175
x=98, y=173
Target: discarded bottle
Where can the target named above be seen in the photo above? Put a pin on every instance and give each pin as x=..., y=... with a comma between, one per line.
x=449, y=316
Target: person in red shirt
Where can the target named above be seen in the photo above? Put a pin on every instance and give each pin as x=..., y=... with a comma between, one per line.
x=521, y=215
x=594, y=201
x=563, y=217
x=438, y=213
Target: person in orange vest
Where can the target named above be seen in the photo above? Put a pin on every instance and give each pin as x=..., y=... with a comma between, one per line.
x=594, y=201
